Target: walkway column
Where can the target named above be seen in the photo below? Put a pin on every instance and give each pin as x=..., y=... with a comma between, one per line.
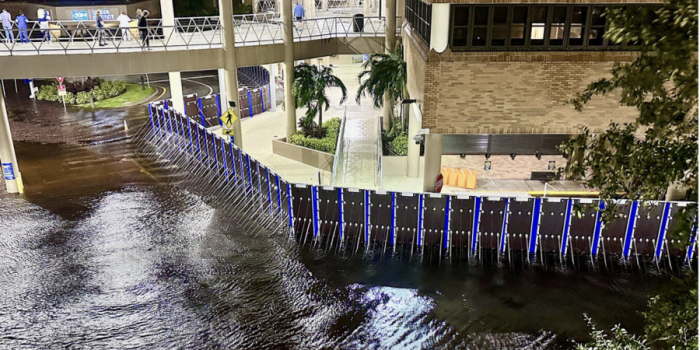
x=10, y=170
x=414, y=126
x=433, y=159
x=176, y=94
x=365, y=7
x=273, y=87
x=309, y=8
x=389, y=44
x=222, y=84
x=167, y=12
x=230, y=67
x=289, y=68
x=324, y=5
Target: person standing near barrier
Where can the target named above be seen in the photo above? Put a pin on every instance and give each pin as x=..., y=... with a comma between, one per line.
x=143, y=29
x=44, y=25
x=124, y=24
x=22, y=25
x=100, y=28
x=6, y=19
x=298, y=14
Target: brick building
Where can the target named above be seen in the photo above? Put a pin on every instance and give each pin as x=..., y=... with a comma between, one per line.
x=478, y=68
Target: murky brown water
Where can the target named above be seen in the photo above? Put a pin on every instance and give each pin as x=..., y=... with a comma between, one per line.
x=105, y=251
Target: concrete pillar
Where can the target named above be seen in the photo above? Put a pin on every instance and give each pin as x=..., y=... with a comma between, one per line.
x=222, y=84
x=230, y=68
x=389, y=44
x=365, y=7
x=31, y=89
x=309, y=8
x=433, y=161
x=414, y=126
x=289, y=68
x=176, y=94
x=273, y=92
x=439, y=27
x=324, y=5
x=10, y=169
x=167, y=13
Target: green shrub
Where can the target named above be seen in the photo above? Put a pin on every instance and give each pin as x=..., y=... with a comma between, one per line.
x=106, y=89
x=327, y=143
x=400, y=145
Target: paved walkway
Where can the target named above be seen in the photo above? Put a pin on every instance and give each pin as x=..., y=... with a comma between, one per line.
x=358, y=161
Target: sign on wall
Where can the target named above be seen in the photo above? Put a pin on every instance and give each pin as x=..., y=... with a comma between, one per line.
x=104, y=13
x=79, y=15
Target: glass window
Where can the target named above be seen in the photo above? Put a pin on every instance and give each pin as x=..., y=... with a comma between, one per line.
x=539, y=22
x=499, y=31
x=579, y=15
x=517, y=28
x=556, y=30
x=460, y=22
x=459, y=37
x=595, y=36
x=481, y=21
x=461, y=16
x=479, y=36
x=481, y=16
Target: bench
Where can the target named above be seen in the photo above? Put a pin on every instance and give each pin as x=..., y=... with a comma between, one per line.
x=542, y=175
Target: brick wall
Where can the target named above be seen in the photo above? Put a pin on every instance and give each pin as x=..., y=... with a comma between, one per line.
x=414, y=55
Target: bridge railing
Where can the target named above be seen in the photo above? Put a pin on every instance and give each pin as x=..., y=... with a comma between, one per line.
x=64, y=37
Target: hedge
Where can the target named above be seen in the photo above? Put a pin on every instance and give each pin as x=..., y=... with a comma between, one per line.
x=105, y=90
x=326, y=144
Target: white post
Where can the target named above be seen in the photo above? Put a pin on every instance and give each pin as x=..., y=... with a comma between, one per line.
x=222, y=85
x=273, y=87
x=324, y=5
x=8, y=158
x=289, y=67
x=365, y=7
x=231, y=68
x=176, y=94
x=433, y=161
x=414, y=126
x=168, y=14
x=31, y=88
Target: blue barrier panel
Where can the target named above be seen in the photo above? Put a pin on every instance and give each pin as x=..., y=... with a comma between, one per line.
x=504, y=227
x=629, y=231
x=662, y=231
x=691, y=247
x=567, y=226
x=597, y=229
x=189, y=131
x=475, y=223
x=224, y=156
x=290, y=212
x=250, y=176
x=582, y=227
x=534, y=229
x=446, y=229
x=269, y=189
x=393, y=218
x=202, y=117
x=150, y=116
x=218, y=106
x=367, y=222
x=262, y=99
x=279, y=194
x=250, y=104
x=552, y=222
x=419, y=225
x=169, y=119
x=341, y=222
x=158, y=123
x=214, y=152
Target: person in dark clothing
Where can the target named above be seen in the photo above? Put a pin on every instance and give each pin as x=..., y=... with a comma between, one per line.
x=143, y=28
x=100, y=28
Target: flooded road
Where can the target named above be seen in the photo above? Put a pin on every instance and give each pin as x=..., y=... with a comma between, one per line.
x=106, y=250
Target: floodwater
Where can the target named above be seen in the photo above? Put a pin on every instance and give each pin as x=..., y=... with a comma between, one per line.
x=105, y=250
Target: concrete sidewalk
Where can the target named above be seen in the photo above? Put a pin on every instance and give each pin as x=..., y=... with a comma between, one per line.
x=358, y=163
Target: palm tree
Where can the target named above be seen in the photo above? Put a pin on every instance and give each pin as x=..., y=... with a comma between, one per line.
x=309, y=90
x=383, y=74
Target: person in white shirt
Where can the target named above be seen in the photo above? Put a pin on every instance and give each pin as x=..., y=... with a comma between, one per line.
x=124, y=25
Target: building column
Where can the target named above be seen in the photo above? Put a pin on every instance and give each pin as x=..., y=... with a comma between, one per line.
x=365, y=7
x=176, y=94
x=230, y=68
x=389, y=44
x=433, y=161
x=273, y=85
x=167, y=13
x=324, y=5
x=309, y=8
x=439, y=27
x=414, y=126
x=290, y=106
x=8, y=158
x=222, y=84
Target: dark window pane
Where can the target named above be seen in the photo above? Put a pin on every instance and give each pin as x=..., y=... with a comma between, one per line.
x=559, y=15
x=579, y=15
x=520, y=15
x=597, y=16
x=461, y=16
x=500, y=15
x=459, y=37
x=556, y=35
x=479, y=37
x=517, y=35
x=499, y=35
x=539, y=14
x=576, y=35
x=595, y=36
x=481, y=16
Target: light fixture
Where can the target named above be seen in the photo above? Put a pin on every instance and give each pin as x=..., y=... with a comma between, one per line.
x=538, y=155
x=462, y=155
x=487, y=155
x=512, y=156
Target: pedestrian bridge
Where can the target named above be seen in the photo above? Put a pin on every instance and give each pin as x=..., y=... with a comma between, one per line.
x=190, y=44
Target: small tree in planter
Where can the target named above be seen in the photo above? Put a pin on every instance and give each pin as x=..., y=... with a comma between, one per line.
x=384, y=74
x=309, y=90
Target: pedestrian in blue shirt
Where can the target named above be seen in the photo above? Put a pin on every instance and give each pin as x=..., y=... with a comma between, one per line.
x=22, y=25
x=100, y=28
x=6, y=19
x=299, y=11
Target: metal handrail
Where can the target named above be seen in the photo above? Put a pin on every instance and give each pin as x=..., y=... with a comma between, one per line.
x=187, y=33
x=339, y=146
x=380, y=151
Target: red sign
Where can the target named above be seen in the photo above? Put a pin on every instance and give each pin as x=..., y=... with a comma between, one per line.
x=60, y=80
x=438, y=184
x=61, y=88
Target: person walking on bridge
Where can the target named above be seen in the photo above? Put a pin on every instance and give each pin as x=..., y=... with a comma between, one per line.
x=143, y=29
x=44, y=25
x=124, y=24
x=100, y=28
x=6, y=19
x=22, y=25
x=298, y=14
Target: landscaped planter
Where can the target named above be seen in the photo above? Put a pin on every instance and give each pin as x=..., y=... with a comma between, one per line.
x=308, y=156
